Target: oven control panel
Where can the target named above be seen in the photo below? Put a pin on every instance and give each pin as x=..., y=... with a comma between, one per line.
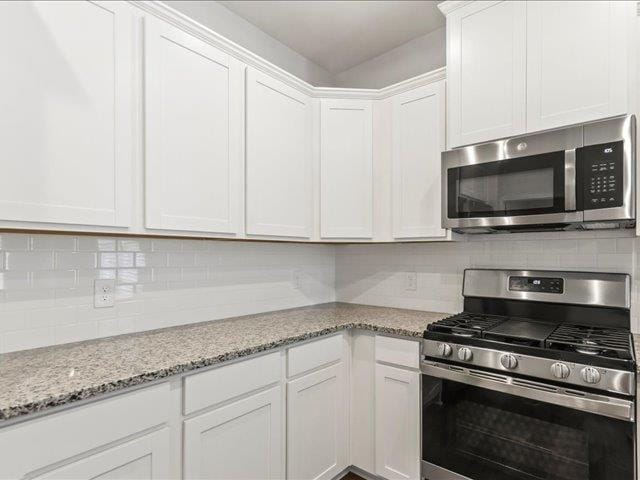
x=602, y=175
x=536, y=284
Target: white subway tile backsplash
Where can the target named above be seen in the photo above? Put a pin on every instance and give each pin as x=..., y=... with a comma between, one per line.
x=53, y=242
x=47, y=284
x=28, y=260
x=75, y=260
x=47, y=281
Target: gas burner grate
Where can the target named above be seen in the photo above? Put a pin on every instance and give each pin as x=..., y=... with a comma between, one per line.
x=591, y=340
x=466, y=324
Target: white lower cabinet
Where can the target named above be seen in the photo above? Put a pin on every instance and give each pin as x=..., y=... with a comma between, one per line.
x=397, y=423
x=317, y=424
x=146, y=457
x=242, y=440
x=123, y=437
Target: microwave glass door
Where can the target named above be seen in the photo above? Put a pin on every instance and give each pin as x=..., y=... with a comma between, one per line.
x=519, y=186
x=487, y=435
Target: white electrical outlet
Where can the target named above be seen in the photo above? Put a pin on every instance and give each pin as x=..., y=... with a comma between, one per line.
x=104, y=293
x=411, y=281
x=295, y=280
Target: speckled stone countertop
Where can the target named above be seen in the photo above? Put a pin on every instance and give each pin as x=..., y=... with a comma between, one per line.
x=34, y=380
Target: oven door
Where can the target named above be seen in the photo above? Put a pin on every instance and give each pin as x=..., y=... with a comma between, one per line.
x=483, y=426
x=521, y=181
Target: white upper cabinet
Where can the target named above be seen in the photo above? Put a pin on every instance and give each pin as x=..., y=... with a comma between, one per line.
x=346, y=169
x=65, y=127
x=486, y=71
x=193, y=117
x=577, y=61
x=278, y=158
x=418, y=138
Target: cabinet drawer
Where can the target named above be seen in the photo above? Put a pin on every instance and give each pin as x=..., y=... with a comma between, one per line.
x=405, y=353
x=209, y=388
x=313, y=355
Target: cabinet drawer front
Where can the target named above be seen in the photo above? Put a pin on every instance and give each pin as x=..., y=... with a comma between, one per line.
x=313, y=355
x=405, y=353
x=209, y=388
x=45, y=441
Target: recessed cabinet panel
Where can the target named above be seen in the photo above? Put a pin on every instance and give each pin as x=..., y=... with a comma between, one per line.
x=346, y=169
x=240, y=441
x=577, y=61
x=317, y=424
x=65, y=133
x=418, y=132
x=397, y=423
x=486, y=71
x=193, y=127
x=143, y=458
x=278, y=158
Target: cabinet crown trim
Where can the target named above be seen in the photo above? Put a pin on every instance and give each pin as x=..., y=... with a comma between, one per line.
x=451, y=5
x=191, y=26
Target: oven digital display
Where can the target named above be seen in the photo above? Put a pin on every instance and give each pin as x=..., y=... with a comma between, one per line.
x=536, y=284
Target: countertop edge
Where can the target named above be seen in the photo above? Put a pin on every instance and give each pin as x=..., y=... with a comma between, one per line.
x=119, y=385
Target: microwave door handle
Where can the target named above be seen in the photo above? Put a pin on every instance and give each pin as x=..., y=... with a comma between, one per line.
x=570, y=180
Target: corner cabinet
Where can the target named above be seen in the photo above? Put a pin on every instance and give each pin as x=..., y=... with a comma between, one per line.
x=486, y=71
x=521, y=67
x=66, y=129
x=278, y=158
x=193, y=120
x=418, y=138
x=346, y=169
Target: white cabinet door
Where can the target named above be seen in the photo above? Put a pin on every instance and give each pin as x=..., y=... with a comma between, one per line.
x=486, y=71
x=65, y=126
x=577, y=61
x=278, y=158
x=418, y=132
x=397, y=423
x=317, y=424
x=240, y=441
x=143, y=458
x=193, y=115
x=346, y=169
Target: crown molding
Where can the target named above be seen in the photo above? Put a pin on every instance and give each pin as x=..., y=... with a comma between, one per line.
x=451, y=5
x=174, y=17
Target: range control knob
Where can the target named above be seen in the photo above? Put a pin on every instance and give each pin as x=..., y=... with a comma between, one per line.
x=560, y=370
x=590, y=375
x=465, y=354
x=444, y=350
x=509, y=361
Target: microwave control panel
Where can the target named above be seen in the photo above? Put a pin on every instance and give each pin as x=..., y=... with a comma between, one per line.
x=602, y=175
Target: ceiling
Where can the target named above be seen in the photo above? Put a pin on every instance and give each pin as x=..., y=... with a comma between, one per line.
x=338, y=35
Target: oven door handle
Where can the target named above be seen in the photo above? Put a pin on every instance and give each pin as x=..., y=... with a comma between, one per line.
x=598, y=404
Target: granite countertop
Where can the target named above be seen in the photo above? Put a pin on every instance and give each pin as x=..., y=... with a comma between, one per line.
x=35, y=380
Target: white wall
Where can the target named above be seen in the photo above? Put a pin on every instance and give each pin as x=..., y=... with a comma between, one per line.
x=46, y=284
x=230, y=25
x=375, y=274
x=415, y=57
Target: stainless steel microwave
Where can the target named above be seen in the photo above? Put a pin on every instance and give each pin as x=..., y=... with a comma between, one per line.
x=579, y=177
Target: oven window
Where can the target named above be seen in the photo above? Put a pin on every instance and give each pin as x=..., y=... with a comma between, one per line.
x=487, y=435
x=521, y=186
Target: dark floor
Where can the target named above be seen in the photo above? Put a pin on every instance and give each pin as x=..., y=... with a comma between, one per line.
x=351, y=476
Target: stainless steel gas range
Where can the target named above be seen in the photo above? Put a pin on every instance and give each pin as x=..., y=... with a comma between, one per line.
x=534, y=380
